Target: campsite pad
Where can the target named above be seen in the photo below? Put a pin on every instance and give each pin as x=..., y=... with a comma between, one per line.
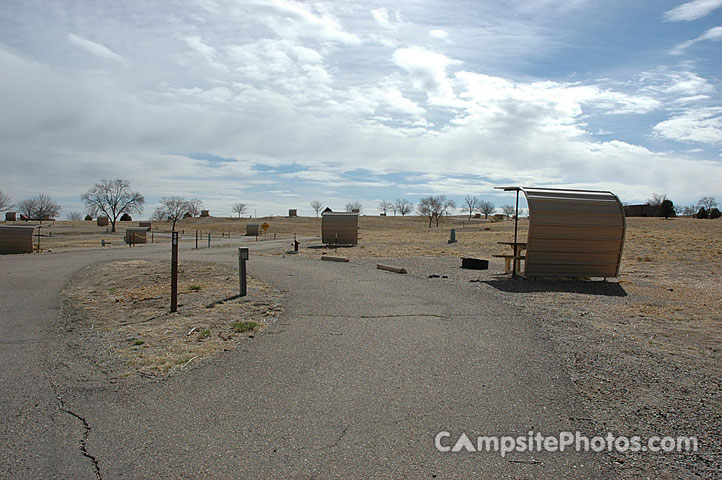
x=119, y=320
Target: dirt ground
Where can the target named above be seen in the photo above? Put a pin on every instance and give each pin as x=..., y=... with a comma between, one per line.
x=120, y=315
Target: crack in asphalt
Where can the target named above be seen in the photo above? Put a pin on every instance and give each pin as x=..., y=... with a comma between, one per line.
x=84, y=440
x=340, y=437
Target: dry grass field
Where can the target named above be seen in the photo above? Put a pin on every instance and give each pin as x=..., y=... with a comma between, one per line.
x=122, y=325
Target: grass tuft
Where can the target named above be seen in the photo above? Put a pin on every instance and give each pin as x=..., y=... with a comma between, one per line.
x=240, y=327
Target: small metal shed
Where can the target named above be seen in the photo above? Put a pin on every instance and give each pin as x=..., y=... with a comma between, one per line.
x=103, y=221
x=11, y=216
x=16, y=238
x=205, y=213
x=136, y=235
x=339, y=228
x=292, y=212
x=573, y=233
x=253, y=229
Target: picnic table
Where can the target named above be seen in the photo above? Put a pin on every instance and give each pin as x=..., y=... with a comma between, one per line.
x=520, y=247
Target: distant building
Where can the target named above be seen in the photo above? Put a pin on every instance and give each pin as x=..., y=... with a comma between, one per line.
x=642, y=210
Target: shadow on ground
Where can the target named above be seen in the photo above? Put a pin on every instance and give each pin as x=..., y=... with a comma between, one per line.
x=586, y=287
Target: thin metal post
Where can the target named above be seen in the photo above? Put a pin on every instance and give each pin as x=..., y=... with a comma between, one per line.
x=516, y=224
x=174, y=273
x=242, y=257
x=196, y=239
x=209, y=240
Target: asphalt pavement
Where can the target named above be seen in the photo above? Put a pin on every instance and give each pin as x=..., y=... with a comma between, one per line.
x=354, y=380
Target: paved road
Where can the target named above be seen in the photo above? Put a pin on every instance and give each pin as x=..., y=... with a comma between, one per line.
x=354, y=381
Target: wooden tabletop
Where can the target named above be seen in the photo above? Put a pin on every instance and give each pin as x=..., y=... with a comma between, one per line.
x=521, y=244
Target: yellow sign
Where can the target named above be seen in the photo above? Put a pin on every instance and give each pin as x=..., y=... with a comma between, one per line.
x=265, y=226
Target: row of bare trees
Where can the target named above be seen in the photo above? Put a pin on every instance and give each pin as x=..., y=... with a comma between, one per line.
x=661, y=206
x=400, y=206
x=39, y=207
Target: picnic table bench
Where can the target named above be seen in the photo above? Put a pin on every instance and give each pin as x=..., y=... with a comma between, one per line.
x=520, y=247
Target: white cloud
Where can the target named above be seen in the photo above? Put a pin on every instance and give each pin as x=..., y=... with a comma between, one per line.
x=713, y=34
x=427, y=71
x=94, y=48
x=314, y=175
x=290, y=19
x=381, y=16
x=701, y=125
x=439, y=34
x=196, y=43
x=692, y=10
x=675, y=83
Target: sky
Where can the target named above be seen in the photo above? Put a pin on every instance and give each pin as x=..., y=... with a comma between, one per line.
x=277, y=103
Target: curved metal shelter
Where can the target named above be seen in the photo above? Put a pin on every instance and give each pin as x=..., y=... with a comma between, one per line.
x=339, y=228
x=573, y=233
x=16, y=238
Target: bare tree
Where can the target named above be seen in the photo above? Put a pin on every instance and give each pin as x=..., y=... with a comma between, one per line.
x=173, y=208
x=355, y=205
x=486, y=208
x=403, y=206
x=27, y=207
x=6, y=202
x=239, y=208
x=508, y=210
x=194, y=207
x=316, y=205
x=385, y=206
x=435, y=207
x=470, y=204
x=74, y=216
x=655, y=202
x=688, y=210
x=708, y=203
x=113, y=198
x=159, y=215
x=40, y=207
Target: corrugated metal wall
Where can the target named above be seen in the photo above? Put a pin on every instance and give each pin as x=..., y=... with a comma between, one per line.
x=16, y=238
x=252, y=229
x=103, y=221
x=339, y=227
x=574, y=233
